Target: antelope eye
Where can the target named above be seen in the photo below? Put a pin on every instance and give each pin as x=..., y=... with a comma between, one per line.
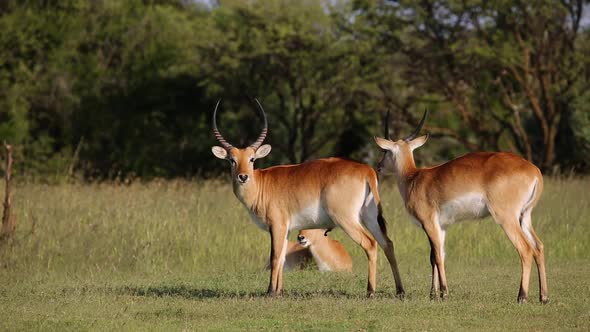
x=232, y=161
x=252, y=159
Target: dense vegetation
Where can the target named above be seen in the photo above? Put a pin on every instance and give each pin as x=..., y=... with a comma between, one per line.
x=107, y=89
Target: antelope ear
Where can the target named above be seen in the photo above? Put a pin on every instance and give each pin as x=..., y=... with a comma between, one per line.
x=263, y=151
x=219, y=152
x=383, y=143
x=418, y=142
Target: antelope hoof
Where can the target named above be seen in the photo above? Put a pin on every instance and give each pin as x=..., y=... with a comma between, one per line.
x=400, y=294
x=274, y=293
x=370, y=294
x=444, y=296
x=544, y=299
x=433, y=295
x=522, y=296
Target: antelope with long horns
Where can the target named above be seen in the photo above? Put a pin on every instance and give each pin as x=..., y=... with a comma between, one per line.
x=473, y=186
x=322, y=193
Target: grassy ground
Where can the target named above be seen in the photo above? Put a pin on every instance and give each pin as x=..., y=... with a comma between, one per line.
x=184, y=255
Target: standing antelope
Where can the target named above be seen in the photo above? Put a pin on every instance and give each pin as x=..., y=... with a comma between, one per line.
x=328, y=254
x=472, y=186
x=322, y=193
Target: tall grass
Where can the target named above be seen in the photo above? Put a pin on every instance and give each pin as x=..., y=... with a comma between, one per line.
x=199, y=227
x=80, y=245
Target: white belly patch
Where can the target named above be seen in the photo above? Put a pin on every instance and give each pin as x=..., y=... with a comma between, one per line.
x=313, y=216
x=468, y=206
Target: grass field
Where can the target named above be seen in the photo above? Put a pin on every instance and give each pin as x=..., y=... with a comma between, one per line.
x=185, y=256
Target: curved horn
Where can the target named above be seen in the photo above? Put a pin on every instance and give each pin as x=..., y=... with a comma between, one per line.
x=386, y=125
x=417, y=131
x=216, y=132
x=262, y=136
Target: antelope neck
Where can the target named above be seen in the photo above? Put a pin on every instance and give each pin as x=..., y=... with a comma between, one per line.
x=249, y=192
x=405, y=172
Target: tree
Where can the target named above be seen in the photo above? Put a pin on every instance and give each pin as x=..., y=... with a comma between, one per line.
x=502, y=71
x=118, y=78
x=291, y=55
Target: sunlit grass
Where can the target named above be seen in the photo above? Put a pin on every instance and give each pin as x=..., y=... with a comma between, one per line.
x=185, y=255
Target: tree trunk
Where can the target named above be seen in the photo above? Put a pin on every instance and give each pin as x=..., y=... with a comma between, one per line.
x=549, y=156
x=8, y=220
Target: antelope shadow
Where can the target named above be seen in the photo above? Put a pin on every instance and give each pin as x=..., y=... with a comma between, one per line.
x=187, y=292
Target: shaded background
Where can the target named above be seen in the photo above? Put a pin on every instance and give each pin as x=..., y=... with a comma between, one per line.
x=123, y=89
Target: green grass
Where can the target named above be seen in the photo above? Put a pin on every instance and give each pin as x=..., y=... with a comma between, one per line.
x=185, y=256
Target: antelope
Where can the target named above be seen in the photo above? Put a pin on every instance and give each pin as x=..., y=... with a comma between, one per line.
x=473, y=186
x=322, y=193
x=328, y=254
x=315, y=245
x=296, y=258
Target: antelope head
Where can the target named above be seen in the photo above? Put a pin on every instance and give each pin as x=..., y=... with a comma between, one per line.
x=241, y=159
x=398, y=155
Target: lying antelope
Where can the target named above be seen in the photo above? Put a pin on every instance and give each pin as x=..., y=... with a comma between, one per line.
x=322, y=193
x=313, y=245
x=328, y=254
x=296, y=258
x=470, y=187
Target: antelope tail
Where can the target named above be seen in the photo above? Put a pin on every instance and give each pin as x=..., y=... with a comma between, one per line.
x=374, y=187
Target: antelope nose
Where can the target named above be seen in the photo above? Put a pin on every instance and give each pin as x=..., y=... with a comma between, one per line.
x=300, y=237
x=243, y=177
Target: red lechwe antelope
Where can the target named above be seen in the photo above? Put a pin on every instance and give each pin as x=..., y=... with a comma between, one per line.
x=297, y=257
x=314, y=245
x=472, y=186
x=322, y=193
x=328, y=254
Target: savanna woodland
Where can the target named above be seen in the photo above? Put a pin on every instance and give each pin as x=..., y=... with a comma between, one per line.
x=107, y=89
x=126, y=221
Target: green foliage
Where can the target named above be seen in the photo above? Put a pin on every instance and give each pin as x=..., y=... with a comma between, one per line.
x=299, y=64
x=120, y=77
x=504, y=72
